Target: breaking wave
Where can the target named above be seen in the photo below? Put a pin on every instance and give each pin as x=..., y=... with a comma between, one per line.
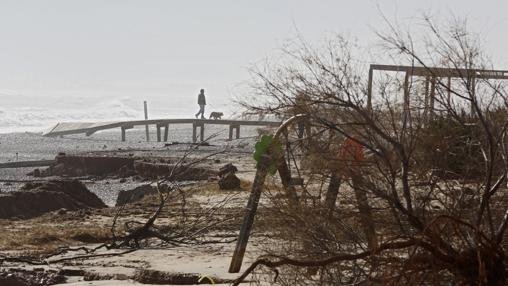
x=36, y=119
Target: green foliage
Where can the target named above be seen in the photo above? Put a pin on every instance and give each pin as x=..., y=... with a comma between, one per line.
x=267, y=145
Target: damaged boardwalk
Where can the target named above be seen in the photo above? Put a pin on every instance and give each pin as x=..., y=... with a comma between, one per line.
x=68, y=128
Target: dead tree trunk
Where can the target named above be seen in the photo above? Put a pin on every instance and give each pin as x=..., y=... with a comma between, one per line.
x=365, y=210
x=331, y=194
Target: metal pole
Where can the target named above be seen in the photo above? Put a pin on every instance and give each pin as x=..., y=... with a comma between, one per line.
x=146, y=126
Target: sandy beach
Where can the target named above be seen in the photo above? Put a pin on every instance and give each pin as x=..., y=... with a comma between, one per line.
x=212, y=259
x=34, y=146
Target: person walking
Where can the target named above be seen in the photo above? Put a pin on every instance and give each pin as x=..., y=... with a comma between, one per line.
x=201, y=103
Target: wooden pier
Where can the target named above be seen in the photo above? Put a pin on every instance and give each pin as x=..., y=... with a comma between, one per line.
x=68, y=128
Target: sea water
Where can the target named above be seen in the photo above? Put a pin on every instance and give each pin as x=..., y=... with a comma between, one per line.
x=37, y=112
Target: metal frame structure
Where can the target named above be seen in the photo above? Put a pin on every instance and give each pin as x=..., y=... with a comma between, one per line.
x=432, y=74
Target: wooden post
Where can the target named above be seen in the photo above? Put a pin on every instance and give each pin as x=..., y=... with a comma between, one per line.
x=449, y=94
x=159, y=133
x=166, y=131
x=365, y=213
x=432, y=97
x=285, y=178
x=230, y=132
x=248, y=220
x=146, y=118
x=123, y=134
x=473, y=99
x=406, y=98
x=194, y=139
x=252, y=205
x=369, y=90
x=237, y=131
x=202, y=132
x=331, y=194
x=426, y=99
x=123, y=131
x=285, y=175
x=195, y=125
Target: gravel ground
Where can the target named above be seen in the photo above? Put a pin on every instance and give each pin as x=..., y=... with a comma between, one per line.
x=32, y=146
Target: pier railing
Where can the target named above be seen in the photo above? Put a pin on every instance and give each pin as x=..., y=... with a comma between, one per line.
x=88, y=128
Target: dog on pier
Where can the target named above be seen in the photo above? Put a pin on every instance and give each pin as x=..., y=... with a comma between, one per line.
x=216, y=115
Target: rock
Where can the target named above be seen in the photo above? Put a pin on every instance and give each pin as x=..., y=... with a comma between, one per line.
x=134, y=195
x=34, y=199
x=229, y=182
x=216, y=161
x=228, y=168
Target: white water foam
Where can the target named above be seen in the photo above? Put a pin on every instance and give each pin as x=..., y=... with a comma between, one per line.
x=36, y=119
x=37, y=112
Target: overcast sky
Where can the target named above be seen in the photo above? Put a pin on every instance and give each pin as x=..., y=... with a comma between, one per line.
x=176, y=47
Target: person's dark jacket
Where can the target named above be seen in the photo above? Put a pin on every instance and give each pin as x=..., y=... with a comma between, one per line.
x=201, y=99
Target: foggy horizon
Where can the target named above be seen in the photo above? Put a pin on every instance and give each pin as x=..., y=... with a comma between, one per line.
x=60, y=55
